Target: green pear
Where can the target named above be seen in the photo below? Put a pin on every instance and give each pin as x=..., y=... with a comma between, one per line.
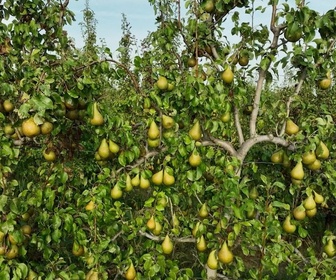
x=297, y=172
x=212, y=262
x=167, y=122
x=201, y=244
x=144, y=183
x=114, y=148
x=130, y=273
x=288, y=226
x=162, y=83
x=153, y=143
x=227, y=75
x=103, y=150
x=225, y=255
x=318, y=198
x=116, y=192
x=308, y=157
x=195, y=132
x=291, y=128
x=157, y=178
x=167, y=245
x=168, y=179
x=151, y=223
x=203, y=211
x=299, y=213
x=277, y=157
x=285, y=160
x=97, y=118
x=129, y=185
x=330, y=248
x=322, y=151
x=153, y=131
x=195, y=159
x=135, y=180
x=309, y=203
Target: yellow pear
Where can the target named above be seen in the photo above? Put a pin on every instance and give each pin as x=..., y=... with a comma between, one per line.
x=167, y=245
x=288, y=226
x=97, y=118
x=162, y=83
x=153, y=131
x=291, y=127
x=227, y=75
x=135, y=180
x=130, y=273
x=277, y=157
x=195, y=229
x=203, y=211
x=195, y=132
x=212, y=262
x=158, y=228
x=330, y=248
x=46, y=128
x=316, y=165
x=309, y=203
x=8, y=105
x=325, y=83
x=144, y=183
x=201, y=244
x=116, y=192
x=77, y=249
x=151, y=223
x=129, y=185
x=114, y=148
x=318, y=198
x=175, y=221
x=297, y=172
x=30, y=128
x=322, y=151
x=195, y=159
x=225, y=117
x=153, y=143
x=103, y=150
x=308, y=157
x=311, y=212
x=225, y=256
x=13, y=252
x=168, y=179
x=299, y=213
x=90, y=206
x=49, y=155
x=286, y=161
x=167, y=122
x=157, y=178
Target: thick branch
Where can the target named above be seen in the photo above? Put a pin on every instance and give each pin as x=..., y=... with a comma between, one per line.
x=226, y=145
x=238, y=125
x=158, y=238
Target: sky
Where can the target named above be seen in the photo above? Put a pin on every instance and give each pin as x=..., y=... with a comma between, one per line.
x=140, y=15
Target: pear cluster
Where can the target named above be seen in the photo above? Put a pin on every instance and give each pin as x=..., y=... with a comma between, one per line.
x=106, y=150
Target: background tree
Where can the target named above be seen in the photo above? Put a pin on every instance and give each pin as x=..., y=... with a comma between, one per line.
x=184, y=160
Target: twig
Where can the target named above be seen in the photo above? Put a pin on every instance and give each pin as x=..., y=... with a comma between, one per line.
x=158, y=238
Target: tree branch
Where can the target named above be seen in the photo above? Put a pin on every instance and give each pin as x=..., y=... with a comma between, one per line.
x=158, y=238
x=238, y=125
x=226, y=145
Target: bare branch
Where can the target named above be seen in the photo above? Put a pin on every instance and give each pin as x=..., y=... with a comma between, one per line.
x=226, y=145
x=158, y=238
x=238, y=125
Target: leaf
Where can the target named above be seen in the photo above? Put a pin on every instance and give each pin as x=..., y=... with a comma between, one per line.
x=279, y=204
x=3, y=202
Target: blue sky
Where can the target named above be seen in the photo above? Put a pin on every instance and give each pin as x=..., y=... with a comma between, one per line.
x=141, y=17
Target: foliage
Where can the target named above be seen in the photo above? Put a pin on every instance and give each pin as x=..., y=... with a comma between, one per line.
x=85, y=212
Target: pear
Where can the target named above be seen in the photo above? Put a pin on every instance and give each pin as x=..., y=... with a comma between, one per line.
x=285, y=161
x=103, y=150
x=195, y=229
x=311, y=212
x=309, y=203
x=130, y=273
x=212, y=262
x=157, y=178
x=116, y=192
x=288, y=226
x=94, y=275
x=277, y=157
x=8, y=105
x=129, y=185
x=225, y=117
x=30, y=128
x=114, y=148
x=167, y=122
x=13, y=252
x=297, y=172
x=330, y=248
x=153, y=143
x=195, y=132
x=325, y=83
x=158, y=228
x=162, y=83
x=2, y=236
x=227, y=75
x=97, y=118
x=291, y=127
x=175, y=221
x=203, y=211
x=167, y=245
x=195, y=159
x=322, y=151
x=49, y=155
x=299, y=213
x=144, y=183
x=253, y=193
x=225, y=256
x=151, y=223
x=168, y=179
x=32, y=275
x=201, y=244
x=77, y=249
x=90, y=206
x=308, y=157
x=135, y=180
x=318, y=198
x=153, y=131
x=46, y=128
x=26, y=229
x=316, y=165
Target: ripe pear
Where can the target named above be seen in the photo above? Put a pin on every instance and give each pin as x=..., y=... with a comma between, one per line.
x=203, y=211
x=195, y=159
x=316, y=165
x=330, y=248
x=318, y=198
x=129, y=185
x=201, y=244
x=153, y=131
x=225, y=256
x=225, y=117
x=291, y=127
x=168, y=179
x=97, y=117
x=158, y=228
x=167, y=245
x=212, y=262
x=49, y=155
x=90, y=206
x=277, y=157
x=167, y=122
x=136, y=180
x=8, y=105
x=103, y=150
x=151, y=223
x=297, y=172
x=325, y=83
x=153, y=143
x=92, y=275
x=30, y=128
x=322, y=151
x=309, y=203
x=144, y=183
x=308, y=157
x=114, y=148
x=130, y=273
x=299, y=213
x=13, y=252
x=227, y=75
x=162, y=83
x=311, y=212
x=116, y=192
x=209, y=6
x=46, y=128
x=288, y=226
x=157, y=178
x=32, y=275
x=195, y=132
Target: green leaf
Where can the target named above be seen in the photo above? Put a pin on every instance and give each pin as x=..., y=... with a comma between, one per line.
x=280, y=204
